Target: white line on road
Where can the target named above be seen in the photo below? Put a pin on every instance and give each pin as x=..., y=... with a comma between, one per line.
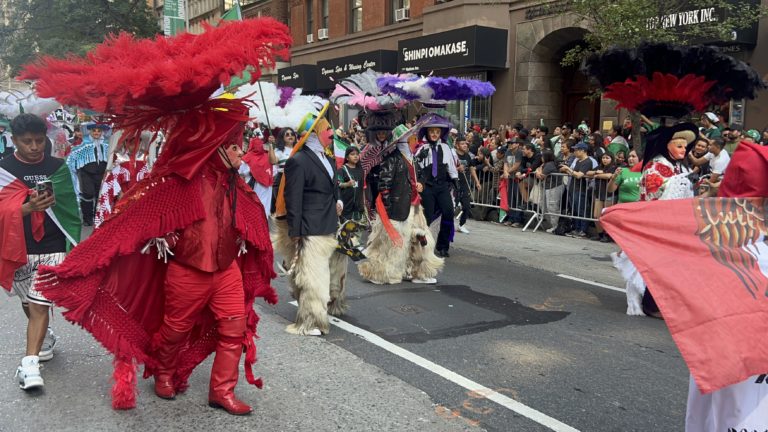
x=453, y=377
x=589, y=282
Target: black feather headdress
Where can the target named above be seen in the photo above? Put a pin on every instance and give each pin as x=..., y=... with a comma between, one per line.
x=662, y=80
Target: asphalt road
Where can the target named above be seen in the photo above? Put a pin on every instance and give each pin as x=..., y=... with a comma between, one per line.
x=499, y=316
x=563, y=348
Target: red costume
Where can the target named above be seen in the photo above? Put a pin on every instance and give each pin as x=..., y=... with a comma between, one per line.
x=207, y=226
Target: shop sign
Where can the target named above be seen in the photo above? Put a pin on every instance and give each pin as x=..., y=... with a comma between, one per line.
x=473, y=46
x=691, y=15
x=302, y=76
x=331, y=71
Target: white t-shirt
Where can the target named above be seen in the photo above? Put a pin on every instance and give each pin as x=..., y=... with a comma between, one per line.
x=718, y=163
x=282, y=156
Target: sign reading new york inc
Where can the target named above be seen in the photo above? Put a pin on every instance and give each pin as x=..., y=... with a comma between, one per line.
x=473, y=46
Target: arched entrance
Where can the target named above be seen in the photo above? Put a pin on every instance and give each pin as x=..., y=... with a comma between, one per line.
x=545, y=90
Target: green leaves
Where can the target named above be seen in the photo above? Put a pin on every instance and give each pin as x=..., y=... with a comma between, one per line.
x=62, y=27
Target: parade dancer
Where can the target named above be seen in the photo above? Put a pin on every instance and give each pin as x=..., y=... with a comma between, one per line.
x=173, y=274
x=435, y=164
x=128, y=167
x=400, y=245
x=705, y=259
x=307, y=211
x=89, y=161
x=40, y=222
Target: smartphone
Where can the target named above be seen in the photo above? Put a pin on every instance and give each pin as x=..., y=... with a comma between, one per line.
x=44, y=187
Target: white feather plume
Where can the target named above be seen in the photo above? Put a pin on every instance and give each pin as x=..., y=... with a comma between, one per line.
x=10, y=100
x=279, y=117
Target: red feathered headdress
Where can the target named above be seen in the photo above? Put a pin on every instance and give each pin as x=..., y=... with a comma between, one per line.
x=662, y=80
x=165, y=84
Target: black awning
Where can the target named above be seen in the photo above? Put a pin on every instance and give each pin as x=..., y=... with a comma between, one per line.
x=330, y=71
x=467, y=47
x=303, y=76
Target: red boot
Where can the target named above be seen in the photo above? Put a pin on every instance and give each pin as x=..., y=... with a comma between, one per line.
x=226, y=368
x=166, y=351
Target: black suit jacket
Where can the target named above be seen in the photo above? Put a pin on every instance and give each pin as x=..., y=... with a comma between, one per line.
x=310, y=195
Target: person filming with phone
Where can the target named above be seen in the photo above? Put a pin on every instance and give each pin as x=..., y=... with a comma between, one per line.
x=38, y=208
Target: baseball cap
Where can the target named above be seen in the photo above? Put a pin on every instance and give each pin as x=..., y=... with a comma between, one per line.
x=754, y=134
x=453, y=131
x=711, y=116
x=580, y=146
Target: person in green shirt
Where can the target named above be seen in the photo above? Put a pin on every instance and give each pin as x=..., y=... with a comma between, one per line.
x=708, y=122
x=627, y=180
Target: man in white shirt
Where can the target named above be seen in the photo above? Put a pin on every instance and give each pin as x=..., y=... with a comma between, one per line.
x=718, y=160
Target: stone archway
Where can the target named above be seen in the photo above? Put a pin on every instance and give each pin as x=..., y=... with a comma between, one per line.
x=539, y=79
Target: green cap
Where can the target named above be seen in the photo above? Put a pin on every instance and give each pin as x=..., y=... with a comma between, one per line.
x=398, y=132
x=754, y=134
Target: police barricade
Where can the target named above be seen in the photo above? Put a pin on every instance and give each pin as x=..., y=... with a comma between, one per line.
x=562, y=196
x=487, y=197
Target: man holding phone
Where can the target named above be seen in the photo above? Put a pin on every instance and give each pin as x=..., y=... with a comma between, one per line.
x=27, y=179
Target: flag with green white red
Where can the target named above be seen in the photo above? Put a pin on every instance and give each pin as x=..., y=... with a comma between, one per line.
x=65, y=213
x=339, y=150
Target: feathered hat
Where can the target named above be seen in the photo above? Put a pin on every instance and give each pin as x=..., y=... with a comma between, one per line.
x=377, y=108
x=279, y=107
x=171, y=93
x=670, y=82
x=15, y=102
x=434, y=93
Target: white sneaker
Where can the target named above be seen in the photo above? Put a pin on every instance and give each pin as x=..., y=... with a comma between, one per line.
x=29, y=373
x=314, y=332
x=463, y=230
x=551, y=230
x=427, y=281
x=46, y=351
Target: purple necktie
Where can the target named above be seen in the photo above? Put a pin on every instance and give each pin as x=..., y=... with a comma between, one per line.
x=434, y=162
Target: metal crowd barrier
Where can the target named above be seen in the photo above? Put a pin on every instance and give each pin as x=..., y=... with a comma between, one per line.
x=533, y=201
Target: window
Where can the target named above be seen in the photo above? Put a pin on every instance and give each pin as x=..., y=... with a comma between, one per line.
x=324, y=14
x=310, y=17
x=356, y=16
x=394, y=6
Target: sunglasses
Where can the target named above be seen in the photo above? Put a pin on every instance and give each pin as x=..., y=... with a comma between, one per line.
x=289, y=134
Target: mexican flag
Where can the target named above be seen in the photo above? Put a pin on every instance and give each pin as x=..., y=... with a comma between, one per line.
x=65, y=214
x=339, y=150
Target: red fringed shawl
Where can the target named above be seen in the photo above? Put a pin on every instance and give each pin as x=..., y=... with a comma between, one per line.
x=115, y=292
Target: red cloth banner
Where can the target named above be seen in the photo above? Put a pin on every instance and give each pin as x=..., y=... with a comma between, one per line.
x=705, y=261
x=503, y=185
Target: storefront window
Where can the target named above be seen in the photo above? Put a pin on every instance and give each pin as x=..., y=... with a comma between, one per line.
x=356, y=16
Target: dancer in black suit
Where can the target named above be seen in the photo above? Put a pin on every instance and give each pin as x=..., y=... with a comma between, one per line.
x=306, y=236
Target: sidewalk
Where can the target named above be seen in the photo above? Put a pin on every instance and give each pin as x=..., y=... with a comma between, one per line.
x=580, y=258
x=310, y=384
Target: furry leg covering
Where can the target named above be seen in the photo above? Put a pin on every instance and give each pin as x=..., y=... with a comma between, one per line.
x=422, y=261
x=386, y=262
x=124, y=389
x=309, y=277
x=338, y=267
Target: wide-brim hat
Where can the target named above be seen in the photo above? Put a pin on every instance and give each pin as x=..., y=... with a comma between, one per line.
x=310, y=121
x=102, y=126
x=657, y=140
x=376, y=121
x=432, y=120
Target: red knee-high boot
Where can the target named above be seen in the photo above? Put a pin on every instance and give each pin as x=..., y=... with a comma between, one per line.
x=168, y=342
x=226, y=367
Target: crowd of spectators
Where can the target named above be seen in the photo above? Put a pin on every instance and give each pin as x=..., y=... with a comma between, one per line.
x=571, y=174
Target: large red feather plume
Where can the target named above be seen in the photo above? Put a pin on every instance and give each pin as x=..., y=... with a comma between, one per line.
x=167, y=73
x=164, y=84
x=663, y=93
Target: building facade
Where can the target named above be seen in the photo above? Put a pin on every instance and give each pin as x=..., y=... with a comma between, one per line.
x=516, y=45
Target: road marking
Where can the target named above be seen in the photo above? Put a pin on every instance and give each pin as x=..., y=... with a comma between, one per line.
x=453, y=377
x=589, y=282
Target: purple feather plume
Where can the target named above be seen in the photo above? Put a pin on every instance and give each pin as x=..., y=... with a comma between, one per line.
x=286, y=93
x=433, y=89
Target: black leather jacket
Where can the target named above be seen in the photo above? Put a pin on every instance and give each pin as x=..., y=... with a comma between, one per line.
x=395, y=186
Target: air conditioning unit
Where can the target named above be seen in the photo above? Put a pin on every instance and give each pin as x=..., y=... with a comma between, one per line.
x=310, y=38
x=322, y=34
x=403, y=14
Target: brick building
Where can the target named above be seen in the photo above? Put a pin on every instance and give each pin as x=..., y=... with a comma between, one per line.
x=517, y=45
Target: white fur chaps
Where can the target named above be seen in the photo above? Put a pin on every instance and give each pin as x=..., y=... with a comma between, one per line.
x=389, y=264
x=317, y=277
